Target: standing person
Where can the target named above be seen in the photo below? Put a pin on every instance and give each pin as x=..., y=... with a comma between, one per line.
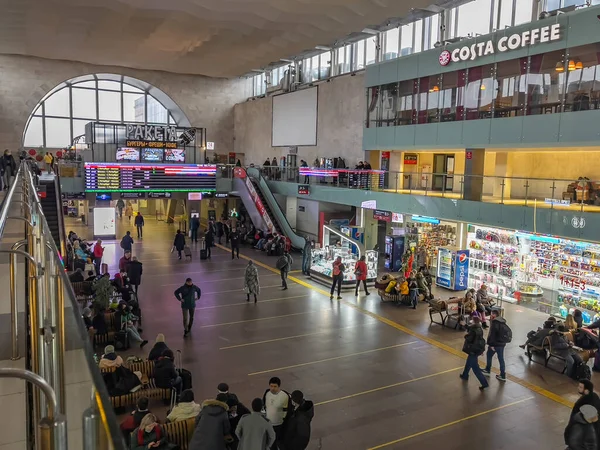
x=9, y=167
x=304, y=164
x=277, y=406
x=413, y=286
x=223, y=388
x=179, y=242
x=338, y=275
x=125, y=259
x=209, y=241
x=219, y=228
x=48, y=162
x=251, y=283
x=127, y=242
x=194, y=225
x=134, y=272
x=139, y=224
x=284, y=264
x=120, y=206
x=500, y=334
x=52, y=162
x=212, y=426
x=254, y=430
x=226, y=230
x=585, y=389
x=234, y=237
x=98, y=253
x=306, y=256
x=580, y=433
x=474, y=347
x=297, y=430
x=360, y=270
x=129, y=212
x=187, y=296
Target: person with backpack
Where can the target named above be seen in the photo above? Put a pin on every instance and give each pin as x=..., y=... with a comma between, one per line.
x=284, y=264
x=474, y=347
x=500, y=334
x=127, y=242
x=338, y=275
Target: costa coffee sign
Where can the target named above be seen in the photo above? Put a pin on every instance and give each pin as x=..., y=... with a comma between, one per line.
x=527, y=38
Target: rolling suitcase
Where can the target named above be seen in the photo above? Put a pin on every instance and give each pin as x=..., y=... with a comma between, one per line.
x=187, y=252
x=121, y=340
x=203, y=252
x=186, y=375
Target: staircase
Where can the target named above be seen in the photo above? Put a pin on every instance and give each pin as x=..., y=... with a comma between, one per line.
x=50, y=205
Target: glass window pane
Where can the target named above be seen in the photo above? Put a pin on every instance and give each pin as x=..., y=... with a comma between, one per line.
x=373, y=107
x=480, y=93
x=391, y=44
x=551, y=5
x=314, y=68
x=523, y=11
x=451, y=31
x=474, y=18
x=110, y=105
x=84, y=103
x=79, y=127
x=583, y=88
x=130, y=88
x=86, y=84
x=38, y=110
x=372, y=51
x=33, y=135
x=430, y=87
x=58, y=132
x=505, y=17
x=172, y=120
x=432, y=32
x=359, y=56
x=389, y=98
x=406, y=112
x=545, y=84
x=418, y=36
x=134, y=108
x=324, y=65
x=58, y=104
x=452, y=96
x=157, y=113
x=110, y=85
x=406, y=40
x=511, y=85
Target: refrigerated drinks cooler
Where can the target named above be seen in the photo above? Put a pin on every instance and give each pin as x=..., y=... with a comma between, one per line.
x=452, y=268
x=394, y=249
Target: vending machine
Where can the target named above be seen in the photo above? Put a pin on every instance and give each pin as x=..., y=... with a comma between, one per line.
x=394, y=249
x=452, y=268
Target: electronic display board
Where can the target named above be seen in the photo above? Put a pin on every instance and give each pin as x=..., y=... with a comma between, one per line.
x=141, y=177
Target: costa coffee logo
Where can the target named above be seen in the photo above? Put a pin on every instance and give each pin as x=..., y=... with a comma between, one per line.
x=526, y=38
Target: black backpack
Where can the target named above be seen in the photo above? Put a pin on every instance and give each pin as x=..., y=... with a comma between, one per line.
x=504, y=333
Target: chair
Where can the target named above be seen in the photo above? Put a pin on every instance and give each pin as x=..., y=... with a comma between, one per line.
x=180, y=433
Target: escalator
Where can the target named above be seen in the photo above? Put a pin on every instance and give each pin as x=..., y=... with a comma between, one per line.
x=262, y=207
x=52, y=207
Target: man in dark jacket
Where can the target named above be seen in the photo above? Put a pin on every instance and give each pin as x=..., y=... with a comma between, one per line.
x=165, y=375
x=561, y=346
x=536, y=338
x=219, y=228
x=194, y=225
x=127, y=242
x=139, y=225
x=588, y=397
x=474, y=346
x=234, y=237
x=212, y=426
x=187, y=295
x=223, y=388
x=209, y=240
x=134, y=272
x=297, y=432
x=235, y=413
x=496, y=341
x=580, y=433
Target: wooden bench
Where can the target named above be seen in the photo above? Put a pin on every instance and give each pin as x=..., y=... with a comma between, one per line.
x=446, y=314
x=111, y=329
x=180, y=433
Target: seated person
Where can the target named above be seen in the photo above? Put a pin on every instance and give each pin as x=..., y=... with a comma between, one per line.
x=89, y=267
x=99, y=322
x=422, y=283
x=402, y=287
x=165, y=375
x=187, y=408
x=121, y=283
x=536, y=338
x=570, y=322
x=562, y=347
x=79, y=253
x=159, y=347
x=135, y=418
x=149, y=436
x=91, y=275
x=125, y=320
x=110, y=359
x=87, y=320
x=578, y=317
x=77, y=276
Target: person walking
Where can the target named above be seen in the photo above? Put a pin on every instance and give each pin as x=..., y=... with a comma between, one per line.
x=209, y=241
x=219, y=228
x=48, y=162
x=139, y=224
x=179, y=242
x=134, y=273
x=120, y=206
x=306, y=256
x=500, y=334
x=127, y=242
x=580, y=433
x=226, y=230
x=360, y=271
x=9, y=168
x=212, y=426
x=129, y=212
x=251, y=283
x=413, y=287
x=254, y=430
x=98, y=254
x=187, y=296
x=234, y=237
x=194, y=225
x=297, y=430
x=277, y=407
x=474, y=346
x=338, y=275
x=284, y=264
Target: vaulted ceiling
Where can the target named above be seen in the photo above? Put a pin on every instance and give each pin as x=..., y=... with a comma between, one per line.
x=220, y=38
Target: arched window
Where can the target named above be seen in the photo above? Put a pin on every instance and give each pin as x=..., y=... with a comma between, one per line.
x=61, y=116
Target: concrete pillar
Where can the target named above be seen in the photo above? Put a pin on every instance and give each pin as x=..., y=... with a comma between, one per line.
x=473, y=180
x=503, y=170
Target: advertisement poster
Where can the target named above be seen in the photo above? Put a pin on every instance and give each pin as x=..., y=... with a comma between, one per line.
x=104, y=222
x=462, y=270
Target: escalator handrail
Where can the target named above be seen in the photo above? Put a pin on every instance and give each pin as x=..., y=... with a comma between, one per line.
x=61, y=221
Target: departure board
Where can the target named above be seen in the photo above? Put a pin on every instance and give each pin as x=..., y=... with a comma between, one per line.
x=136, y=177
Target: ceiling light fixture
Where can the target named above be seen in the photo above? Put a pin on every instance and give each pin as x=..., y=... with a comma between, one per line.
x=560, y=67
x=286, y=60
x=434, y=89
x=370, y=31
x=322, y=47
x=579, y=65
x=571, y=66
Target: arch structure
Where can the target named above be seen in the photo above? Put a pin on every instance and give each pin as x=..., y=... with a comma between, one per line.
x=59, y=119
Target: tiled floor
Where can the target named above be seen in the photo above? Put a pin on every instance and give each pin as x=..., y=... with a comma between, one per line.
x=377, y=373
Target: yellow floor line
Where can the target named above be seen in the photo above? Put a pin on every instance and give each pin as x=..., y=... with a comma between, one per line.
x=262, y=318
x=247, y=344
x=310, y=363
x=251, y=302
x=401, y=383
x=449, y=424
x=526, y=384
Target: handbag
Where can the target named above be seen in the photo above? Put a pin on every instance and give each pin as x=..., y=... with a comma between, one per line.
x=172, y=249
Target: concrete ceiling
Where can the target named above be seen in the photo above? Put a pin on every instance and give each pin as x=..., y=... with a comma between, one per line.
x=219, y=38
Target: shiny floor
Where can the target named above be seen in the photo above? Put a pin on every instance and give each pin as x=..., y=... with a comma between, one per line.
x=381, y=376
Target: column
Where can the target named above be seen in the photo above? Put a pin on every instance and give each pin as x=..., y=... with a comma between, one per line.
x=502, y=170
x=473, y=174
x=291, y=210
